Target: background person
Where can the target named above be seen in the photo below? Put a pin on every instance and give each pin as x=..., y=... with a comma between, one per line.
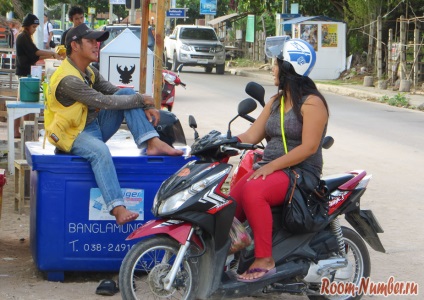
x=76, y=16
x=305, y=123
x=48, y=32
x=84, y=110
x=27, y=54
x=14, y=28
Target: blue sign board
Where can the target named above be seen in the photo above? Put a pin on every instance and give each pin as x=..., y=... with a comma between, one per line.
x=290, y=16
x=176, y=13
x=208, y=7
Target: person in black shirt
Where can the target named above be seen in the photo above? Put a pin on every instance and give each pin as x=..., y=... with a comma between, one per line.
x=76, y=16
x=27, y=53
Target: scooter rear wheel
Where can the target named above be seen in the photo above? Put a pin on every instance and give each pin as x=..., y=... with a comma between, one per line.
x=147, y=264
x=359, y=265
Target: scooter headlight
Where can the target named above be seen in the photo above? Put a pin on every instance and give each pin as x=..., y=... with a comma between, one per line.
x=174, y=202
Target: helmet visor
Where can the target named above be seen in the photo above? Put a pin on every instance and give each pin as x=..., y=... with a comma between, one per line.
x=274, y=46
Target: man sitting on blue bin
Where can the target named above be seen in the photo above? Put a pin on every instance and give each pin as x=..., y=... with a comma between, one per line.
x=83, y=111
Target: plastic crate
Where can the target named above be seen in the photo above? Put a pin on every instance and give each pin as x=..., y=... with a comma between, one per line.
x=68, y=229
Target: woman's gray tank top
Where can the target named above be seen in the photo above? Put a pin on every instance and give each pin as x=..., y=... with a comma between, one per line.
x=293, y=131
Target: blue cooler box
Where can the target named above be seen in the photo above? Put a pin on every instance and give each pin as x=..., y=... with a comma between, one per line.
x=70, y=228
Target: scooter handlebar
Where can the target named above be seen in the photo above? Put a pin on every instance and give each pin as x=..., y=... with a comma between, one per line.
x=244, y=146
x=248, y=118
x=238, y=147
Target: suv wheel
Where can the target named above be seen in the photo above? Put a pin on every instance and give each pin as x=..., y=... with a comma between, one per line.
x=220, y=69
x=208, y=69
x=166, y=64
x=175, y=63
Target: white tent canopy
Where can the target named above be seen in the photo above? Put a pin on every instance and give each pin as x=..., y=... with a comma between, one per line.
x=120, y=62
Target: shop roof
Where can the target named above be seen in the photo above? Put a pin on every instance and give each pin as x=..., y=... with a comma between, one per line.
x=309, y=18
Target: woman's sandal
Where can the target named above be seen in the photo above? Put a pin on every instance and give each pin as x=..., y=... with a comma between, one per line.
x=258, y=270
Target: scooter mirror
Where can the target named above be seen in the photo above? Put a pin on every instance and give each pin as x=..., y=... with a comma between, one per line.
x=328, y=142
x=192, y=122
x=169, y=78
x=246, y=106
x=256, y=91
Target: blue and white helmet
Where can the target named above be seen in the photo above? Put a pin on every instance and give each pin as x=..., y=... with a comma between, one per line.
x=299, y=53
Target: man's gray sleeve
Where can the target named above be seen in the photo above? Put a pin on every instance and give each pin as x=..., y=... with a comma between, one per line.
x=71, y=89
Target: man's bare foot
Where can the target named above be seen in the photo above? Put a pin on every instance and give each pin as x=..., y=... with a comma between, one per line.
x=261, y=265
x=157, y=147
x=123, y=215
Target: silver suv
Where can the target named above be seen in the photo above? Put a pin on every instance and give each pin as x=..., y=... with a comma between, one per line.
x=194, y=46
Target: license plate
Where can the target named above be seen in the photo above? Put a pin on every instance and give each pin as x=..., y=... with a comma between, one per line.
x=202, y=61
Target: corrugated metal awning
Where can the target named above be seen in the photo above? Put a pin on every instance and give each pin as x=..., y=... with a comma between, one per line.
x=310, y=18
x=222, y=19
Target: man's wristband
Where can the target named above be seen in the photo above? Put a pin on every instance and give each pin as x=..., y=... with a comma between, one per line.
x=149, y=106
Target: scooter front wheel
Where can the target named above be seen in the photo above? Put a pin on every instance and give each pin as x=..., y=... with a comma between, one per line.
x=145, y=267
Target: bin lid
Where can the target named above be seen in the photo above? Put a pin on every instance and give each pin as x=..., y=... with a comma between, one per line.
x=124, y=153
x=29, y=79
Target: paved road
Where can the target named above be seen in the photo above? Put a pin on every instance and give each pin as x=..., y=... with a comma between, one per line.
x=384, y=140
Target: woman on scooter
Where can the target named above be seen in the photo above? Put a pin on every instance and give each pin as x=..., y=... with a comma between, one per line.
x=305, y=121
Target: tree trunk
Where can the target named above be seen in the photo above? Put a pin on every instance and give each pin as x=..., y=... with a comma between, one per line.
x=17, y=7
x=379, y=50
x=371, y=45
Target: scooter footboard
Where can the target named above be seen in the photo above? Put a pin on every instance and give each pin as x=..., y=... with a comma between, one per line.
x=366, y=224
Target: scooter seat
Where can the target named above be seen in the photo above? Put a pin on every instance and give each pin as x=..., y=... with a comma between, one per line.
x=334, y=181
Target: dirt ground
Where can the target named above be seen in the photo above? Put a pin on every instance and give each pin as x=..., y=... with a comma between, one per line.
x=19, y=277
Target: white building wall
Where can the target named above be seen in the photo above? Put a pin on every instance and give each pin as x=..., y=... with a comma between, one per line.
x=331, y=61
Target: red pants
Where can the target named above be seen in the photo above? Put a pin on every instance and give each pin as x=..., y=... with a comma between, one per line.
x=254, y=200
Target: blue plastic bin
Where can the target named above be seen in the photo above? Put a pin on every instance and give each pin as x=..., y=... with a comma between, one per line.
x=67, y=232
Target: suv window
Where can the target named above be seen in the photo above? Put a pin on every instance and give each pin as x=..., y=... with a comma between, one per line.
x=198, y=34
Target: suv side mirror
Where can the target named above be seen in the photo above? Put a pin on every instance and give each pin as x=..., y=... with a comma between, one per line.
x=172, y=37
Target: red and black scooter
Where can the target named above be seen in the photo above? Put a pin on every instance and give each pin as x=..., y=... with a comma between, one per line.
x=170, y=81
x=184, y=253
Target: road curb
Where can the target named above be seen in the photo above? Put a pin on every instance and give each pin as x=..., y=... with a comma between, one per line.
x=359, y=92
x=350, y=92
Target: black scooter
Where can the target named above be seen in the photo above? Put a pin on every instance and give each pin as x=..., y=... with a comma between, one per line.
x=185, y=254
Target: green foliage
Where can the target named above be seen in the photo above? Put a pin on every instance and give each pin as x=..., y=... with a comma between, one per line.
x=399, y=100
x=356, y=42
x=193, y=11
x=54, y=7
x=384, y=99
x=331, y=8
x=5, y=7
